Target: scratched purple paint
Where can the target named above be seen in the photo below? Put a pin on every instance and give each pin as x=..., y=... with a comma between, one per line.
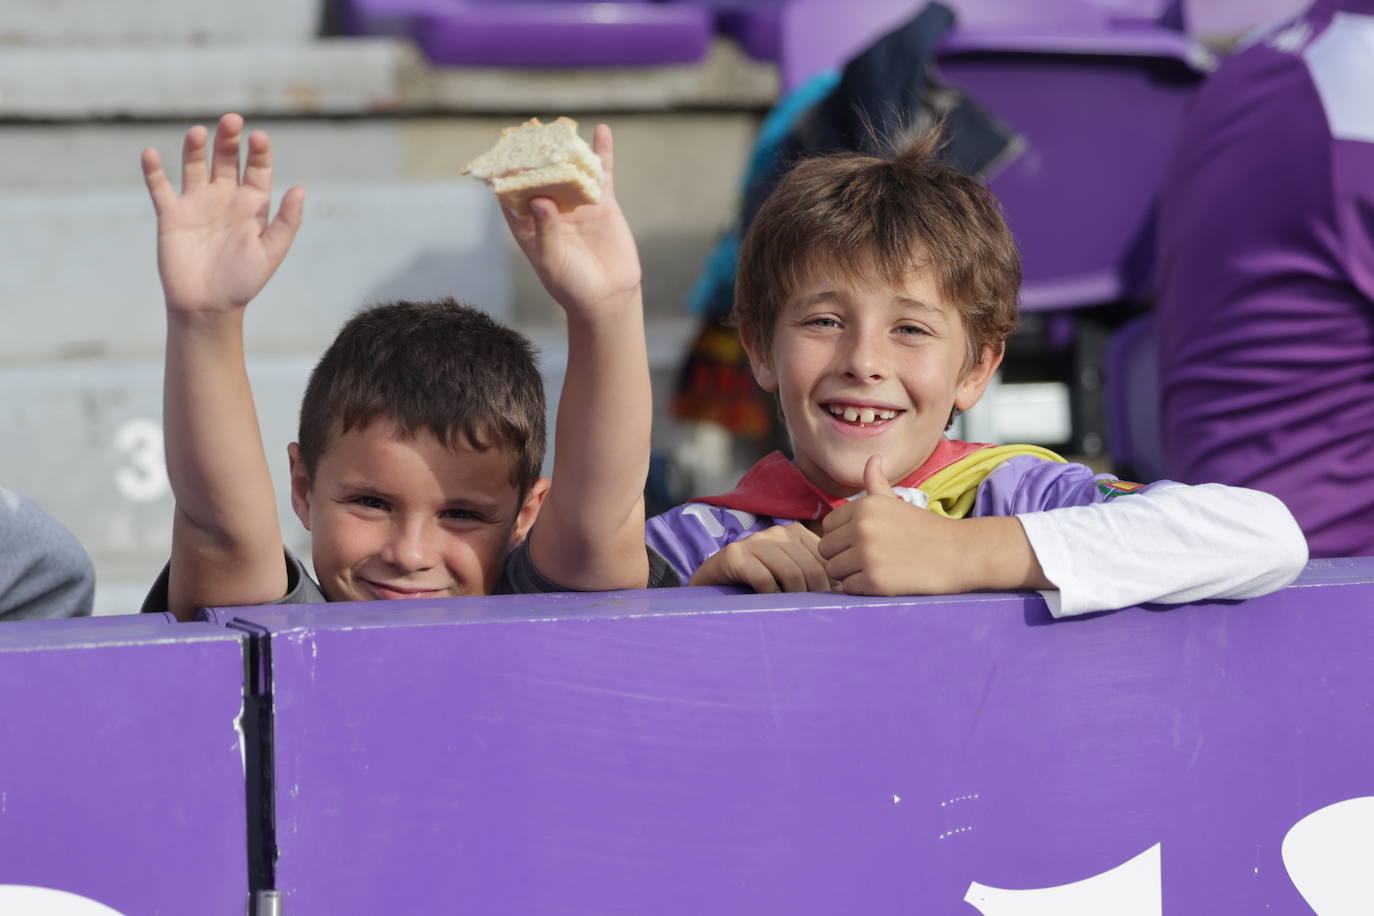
x=696, y=751
x=121, y=768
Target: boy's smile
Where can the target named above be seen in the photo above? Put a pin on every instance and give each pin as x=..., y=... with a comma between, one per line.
x=393, y=517
x=863, y=367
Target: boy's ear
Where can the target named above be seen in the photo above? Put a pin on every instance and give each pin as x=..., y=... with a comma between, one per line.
x=976, y=379
x=759, y=362
x=300, y=485
x=529, y=510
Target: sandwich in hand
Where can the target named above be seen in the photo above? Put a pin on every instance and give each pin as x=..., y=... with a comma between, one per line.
x=540, y=160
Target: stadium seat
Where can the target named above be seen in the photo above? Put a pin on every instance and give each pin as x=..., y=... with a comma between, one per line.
x=538, y=33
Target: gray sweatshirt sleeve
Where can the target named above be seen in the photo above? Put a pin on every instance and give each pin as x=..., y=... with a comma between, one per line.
x=44, y=570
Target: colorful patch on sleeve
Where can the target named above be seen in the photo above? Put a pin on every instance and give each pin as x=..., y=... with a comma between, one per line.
x=1111, y=489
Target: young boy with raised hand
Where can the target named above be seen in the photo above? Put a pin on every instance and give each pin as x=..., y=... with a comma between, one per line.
x=874, y=296
x=422, y=427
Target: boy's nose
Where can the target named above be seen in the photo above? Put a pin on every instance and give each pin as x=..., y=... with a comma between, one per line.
x=861, y=358
x=411, y=547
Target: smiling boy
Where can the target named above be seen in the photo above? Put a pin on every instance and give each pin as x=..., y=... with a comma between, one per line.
x=874, y=296
x=422, y=428
x=418, y=460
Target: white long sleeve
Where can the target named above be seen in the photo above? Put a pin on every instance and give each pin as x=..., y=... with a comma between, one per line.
x=1171, y=545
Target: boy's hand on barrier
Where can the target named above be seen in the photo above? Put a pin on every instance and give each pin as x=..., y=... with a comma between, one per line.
x=585, y=258
x=782, y=558
x=881, y=545
x=216, y=247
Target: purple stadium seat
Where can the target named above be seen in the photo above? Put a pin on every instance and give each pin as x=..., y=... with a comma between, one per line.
x=1133, y=439
x=393, y=18
x=755, y=25
x=564, y=34
x=1098, y=128
x=538, y=33
x=821, y=34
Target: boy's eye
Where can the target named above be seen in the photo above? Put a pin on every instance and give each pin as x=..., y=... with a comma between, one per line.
x=369, y=502
x=822, y=321
x=911, y=330
x=462, y=515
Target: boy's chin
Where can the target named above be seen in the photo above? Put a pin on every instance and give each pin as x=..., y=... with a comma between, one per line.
x=847, y=474
x=842, y=478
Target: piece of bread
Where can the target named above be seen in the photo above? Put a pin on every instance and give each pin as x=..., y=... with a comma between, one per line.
x=540, y=160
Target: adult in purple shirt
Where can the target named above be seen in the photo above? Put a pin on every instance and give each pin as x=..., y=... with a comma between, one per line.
x=1265, y=308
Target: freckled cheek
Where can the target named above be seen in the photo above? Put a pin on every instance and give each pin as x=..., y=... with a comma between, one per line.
x=796, y=389
x=477, y=554
x=347, y=542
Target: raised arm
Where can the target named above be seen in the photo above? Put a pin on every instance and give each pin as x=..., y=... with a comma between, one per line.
x=590, y=532
x=216, y=249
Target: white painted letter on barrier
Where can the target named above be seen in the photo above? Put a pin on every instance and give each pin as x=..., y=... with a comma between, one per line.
x=44, y=901
x=1330, y=858
x=1132, y=888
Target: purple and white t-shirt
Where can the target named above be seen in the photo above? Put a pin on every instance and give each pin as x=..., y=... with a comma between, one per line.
x=1104, y=543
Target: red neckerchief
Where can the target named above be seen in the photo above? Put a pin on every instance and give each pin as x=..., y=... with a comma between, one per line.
x=777, y=487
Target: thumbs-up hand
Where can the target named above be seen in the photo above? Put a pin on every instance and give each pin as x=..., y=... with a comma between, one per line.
x=880, y=545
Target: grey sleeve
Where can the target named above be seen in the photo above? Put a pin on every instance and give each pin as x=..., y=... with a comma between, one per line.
x=521, y=576
x=300, y=588
x=44, y=570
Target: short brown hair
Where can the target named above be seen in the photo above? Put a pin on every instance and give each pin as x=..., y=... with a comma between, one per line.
x=887, y=215
x=441, y=367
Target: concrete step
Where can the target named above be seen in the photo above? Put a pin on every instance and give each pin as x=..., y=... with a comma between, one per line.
x=383, y=194
x=82, y=280
x=43, y=23
x=346, y=76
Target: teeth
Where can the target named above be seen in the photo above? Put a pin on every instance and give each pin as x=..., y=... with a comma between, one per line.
x=861, y=414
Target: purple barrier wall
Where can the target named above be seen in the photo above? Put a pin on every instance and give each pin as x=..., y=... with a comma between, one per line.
x=122, y=769
x=696, y=751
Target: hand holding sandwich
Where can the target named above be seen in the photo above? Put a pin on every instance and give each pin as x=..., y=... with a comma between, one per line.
x=585, y=256
x=559, y=200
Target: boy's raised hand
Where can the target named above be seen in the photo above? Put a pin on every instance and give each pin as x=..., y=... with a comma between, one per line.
x=590, y=531
x=782, y=558
x=585, y=258
x=216, y=247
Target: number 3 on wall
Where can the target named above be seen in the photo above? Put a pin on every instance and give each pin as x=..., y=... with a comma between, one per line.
x=142, y=477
